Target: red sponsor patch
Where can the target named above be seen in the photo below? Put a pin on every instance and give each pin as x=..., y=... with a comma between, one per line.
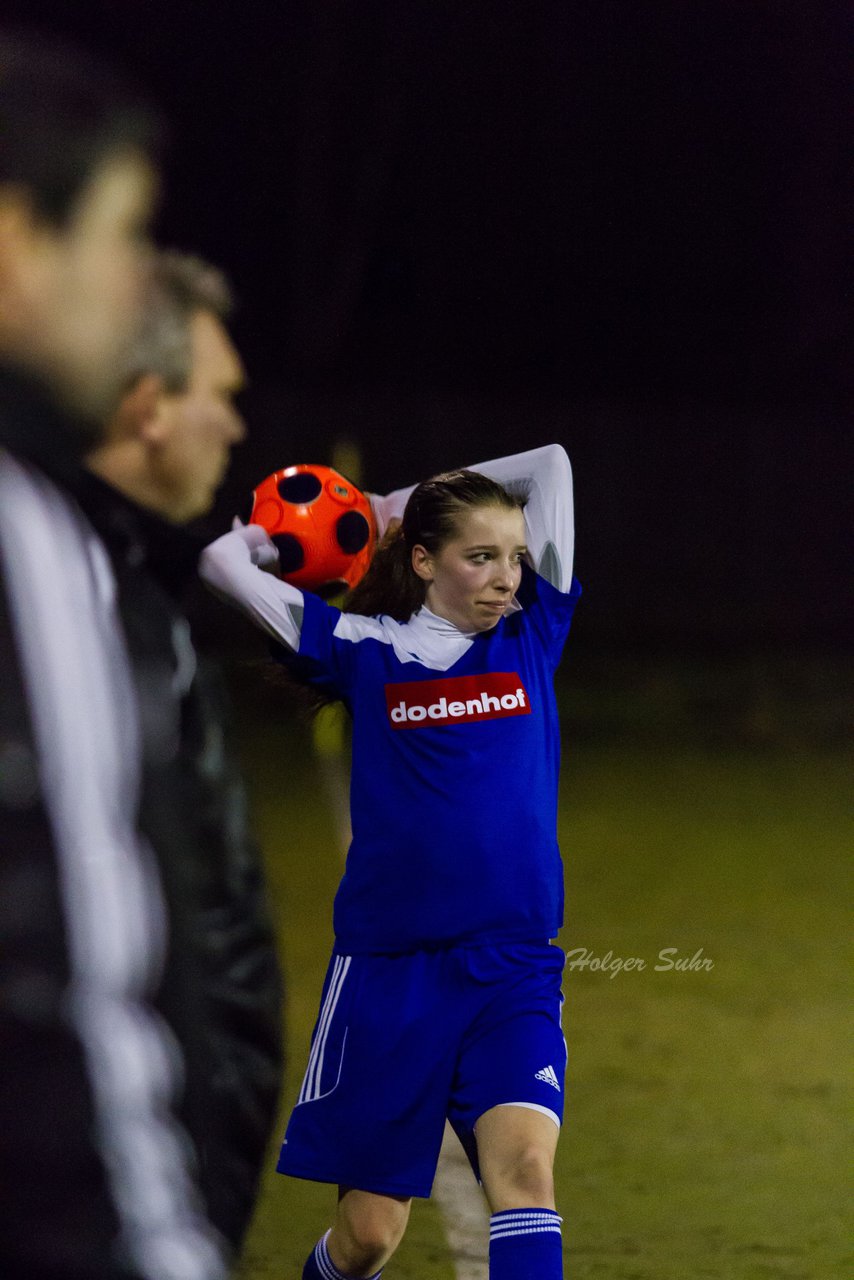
x=456, y=700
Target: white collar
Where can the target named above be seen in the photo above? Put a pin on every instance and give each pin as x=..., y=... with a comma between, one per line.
x=443, y=626
x=424, y=619
x=434, y=641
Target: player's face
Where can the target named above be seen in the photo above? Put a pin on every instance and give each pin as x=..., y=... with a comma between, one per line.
x=197, y=428
x=78, y=287
x=474, y=576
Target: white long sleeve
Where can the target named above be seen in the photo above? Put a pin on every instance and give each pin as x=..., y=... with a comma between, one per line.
x=543, y=478
x=232, y=568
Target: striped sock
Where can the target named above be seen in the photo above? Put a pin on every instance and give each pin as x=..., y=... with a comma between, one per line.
x=319, y=1265
x=524, y=1244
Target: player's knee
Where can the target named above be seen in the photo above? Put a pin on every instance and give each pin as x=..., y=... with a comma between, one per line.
x=366, y=1239
x=377, y=1236
x=532, y=1173
x=366, y=1248
x=526, y=1179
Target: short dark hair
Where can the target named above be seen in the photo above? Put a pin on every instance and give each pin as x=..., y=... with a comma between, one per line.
x=62, y=115
x=180, y=285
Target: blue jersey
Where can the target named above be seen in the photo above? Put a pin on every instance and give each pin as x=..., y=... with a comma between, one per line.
x=454, y=775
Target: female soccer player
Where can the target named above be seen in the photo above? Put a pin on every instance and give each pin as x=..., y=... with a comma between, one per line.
x=442, y=998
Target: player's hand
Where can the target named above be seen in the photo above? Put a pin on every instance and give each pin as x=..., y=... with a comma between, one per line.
x=262, y=551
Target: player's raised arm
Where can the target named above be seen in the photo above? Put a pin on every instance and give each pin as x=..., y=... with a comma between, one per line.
x=543, y=477
x=388, y=506
x=233, y=568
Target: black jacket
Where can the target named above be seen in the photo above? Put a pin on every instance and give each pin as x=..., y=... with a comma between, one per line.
x=219, y=990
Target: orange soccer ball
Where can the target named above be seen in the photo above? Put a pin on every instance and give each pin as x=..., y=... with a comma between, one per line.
x=321, y=524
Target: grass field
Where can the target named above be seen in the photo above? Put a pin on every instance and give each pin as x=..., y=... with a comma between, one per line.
x=705, y=1132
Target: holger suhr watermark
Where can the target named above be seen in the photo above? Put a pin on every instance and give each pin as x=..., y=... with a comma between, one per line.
x=668, y=959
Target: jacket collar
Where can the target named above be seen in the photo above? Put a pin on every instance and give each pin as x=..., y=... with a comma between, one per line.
x=34, y=428
x=137, y=537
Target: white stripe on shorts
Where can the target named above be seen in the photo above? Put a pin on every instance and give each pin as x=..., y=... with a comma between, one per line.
x=311, y=1084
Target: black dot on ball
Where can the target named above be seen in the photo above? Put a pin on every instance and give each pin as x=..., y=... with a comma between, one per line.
x=331, y=589
x=291, y=554
x=300, y=489
x=352, y=531
x=245, y=512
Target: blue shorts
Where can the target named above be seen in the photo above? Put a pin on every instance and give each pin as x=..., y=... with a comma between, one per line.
x=402, y=1042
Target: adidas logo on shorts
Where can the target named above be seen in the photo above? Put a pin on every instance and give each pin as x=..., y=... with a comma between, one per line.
x=548, y=1074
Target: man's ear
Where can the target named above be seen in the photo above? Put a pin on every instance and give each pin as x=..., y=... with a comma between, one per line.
x=13, y=218
x=139, y=410
x=422, y=563
x=21, y=237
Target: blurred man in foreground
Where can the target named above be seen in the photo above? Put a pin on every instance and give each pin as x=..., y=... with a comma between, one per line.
x=96, y=1172
x=165, y=453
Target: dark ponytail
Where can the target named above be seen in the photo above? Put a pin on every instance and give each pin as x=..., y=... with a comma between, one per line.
x=430, y=519
x=390, y=585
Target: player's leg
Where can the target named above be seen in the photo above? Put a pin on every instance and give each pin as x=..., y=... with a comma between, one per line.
x=372, y=1105
x=516, y=1149
x=507, y=1104
x=368, y=1228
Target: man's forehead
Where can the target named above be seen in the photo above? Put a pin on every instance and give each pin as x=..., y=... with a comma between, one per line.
x=214, y=351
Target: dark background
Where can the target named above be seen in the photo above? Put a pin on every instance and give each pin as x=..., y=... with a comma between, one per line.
x=462, y=229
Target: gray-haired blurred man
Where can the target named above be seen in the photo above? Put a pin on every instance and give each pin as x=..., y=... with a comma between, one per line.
x=167, y=446
x=165, y=453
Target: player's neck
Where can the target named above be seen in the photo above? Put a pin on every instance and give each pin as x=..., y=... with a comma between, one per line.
x=436, y=622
